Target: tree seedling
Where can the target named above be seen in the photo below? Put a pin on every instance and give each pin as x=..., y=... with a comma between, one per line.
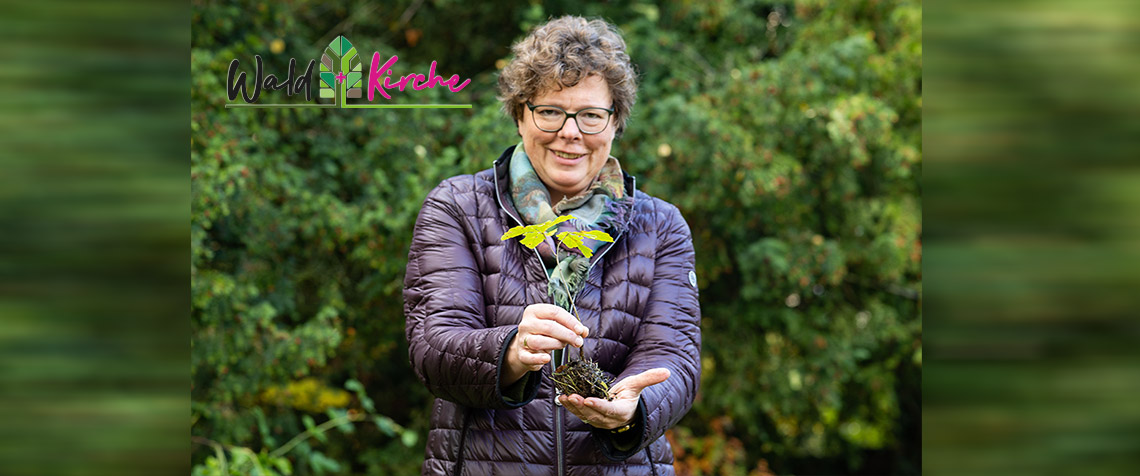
x=582, y=375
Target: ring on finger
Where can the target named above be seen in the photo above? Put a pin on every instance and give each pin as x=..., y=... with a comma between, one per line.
x=525, y=346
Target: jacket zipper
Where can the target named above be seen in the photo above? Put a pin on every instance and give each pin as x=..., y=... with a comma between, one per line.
x=558, y=450
x=462, y=443
x=574, y=299
x=560, y=464
x=560, y=460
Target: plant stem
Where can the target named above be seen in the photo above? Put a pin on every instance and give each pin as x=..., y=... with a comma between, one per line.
x=313, y=431
x=219, y=450
x=574, y=309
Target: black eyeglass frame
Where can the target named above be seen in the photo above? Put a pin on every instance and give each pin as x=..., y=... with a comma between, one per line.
x=568, y=116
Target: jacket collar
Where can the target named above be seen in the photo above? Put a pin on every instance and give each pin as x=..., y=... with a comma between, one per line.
x=503, y=183
x=502, y=176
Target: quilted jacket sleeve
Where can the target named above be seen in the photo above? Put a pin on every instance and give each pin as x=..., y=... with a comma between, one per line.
x=451, y=348
x=669, y=335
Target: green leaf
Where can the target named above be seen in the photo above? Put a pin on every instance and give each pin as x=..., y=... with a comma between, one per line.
x=312, y=427
x=385, y=424
x=340, y=413
x=321, y=463
x=586, y=251
x=409, y=438
x=365, y=401
x=262, y=426
x=283, y=465
x=239, y=459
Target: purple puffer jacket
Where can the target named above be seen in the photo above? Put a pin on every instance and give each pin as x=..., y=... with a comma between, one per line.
x=464, y=295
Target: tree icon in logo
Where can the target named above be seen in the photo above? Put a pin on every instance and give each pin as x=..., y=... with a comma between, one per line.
x=341, y=71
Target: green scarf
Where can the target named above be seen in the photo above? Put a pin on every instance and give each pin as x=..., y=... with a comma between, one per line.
x=602, y=206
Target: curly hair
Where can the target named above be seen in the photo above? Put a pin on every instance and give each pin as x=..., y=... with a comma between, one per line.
x=562, y=52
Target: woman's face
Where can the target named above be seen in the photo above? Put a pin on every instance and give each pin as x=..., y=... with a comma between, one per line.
x=568, y=160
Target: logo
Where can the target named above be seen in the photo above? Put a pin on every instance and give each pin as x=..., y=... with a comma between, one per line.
x=340, y=66
x=341, y=78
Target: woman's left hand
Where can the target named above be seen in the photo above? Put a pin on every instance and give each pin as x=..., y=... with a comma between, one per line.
x=600, y=413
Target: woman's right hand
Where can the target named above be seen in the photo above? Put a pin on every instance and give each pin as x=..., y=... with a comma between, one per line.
x=544, y=327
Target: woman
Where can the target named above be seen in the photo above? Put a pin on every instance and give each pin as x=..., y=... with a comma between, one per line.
x=484, y=333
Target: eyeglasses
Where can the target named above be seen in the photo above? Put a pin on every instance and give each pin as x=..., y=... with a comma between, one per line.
x=591, y=120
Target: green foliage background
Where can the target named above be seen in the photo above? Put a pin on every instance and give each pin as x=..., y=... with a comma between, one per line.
x=788, y=133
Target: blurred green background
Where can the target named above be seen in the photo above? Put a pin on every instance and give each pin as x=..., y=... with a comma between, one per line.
x=789, y=135
x=94, y=204
x=1028, y=197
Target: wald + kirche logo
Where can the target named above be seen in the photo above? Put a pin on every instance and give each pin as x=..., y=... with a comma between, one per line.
x=341, y=77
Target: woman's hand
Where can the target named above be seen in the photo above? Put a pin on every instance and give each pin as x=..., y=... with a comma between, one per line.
x=609, y=415
x=544, y=327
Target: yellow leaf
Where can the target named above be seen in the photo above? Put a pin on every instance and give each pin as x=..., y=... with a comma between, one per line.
x=532, y=239
x=513, y=232
x=535, y=234
x=551, y=223
x=570, y=239
x=597, y=235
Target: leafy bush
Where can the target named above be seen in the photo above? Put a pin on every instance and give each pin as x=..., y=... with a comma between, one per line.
x=787, y=133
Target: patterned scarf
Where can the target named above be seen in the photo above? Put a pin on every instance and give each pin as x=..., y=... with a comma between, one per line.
x=602, y=206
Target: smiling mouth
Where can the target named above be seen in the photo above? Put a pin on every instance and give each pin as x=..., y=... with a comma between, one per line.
x=566, y=156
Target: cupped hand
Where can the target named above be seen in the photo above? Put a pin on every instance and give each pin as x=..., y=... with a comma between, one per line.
x=608, y=415
x=543, y=328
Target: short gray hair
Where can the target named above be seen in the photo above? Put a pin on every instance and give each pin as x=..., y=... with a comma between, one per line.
x=562, y=52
